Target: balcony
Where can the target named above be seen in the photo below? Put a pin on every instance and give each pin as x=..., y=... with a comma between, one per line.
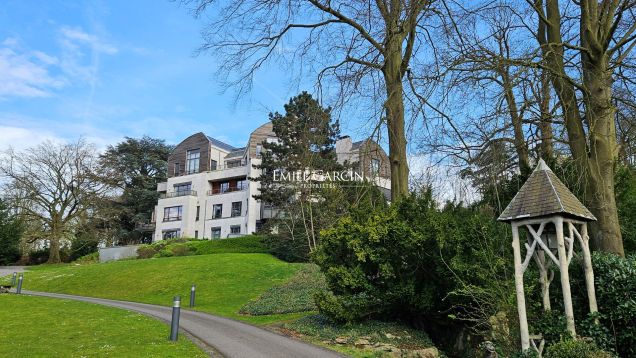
x=176, y=194
x=225, y=191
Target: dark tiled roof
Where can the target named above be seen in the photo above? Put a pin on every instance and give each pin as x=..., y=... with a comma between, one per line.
x=220, y=144
x=544, y=194
x=236, y=153
x=358, y=144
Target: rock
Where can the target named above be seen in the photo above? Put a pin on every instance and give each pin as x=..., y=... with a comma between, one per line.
x=341, y=340
x=390, y=336
x=362, y=343
x=387, y=347
x=431, y=352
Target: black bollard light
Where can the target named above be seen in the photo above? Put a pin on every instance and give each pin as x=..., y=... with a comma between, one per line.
x=174, y=325
x=19, y=289
x=192, y=294
x=13, y=279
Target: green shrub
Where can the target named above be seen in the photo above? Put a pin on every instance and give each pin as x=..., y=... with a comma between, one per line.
x=295, y=295
x=575, y=349
x=243, y=244
x=83, y=244
x=88, y=259
x=403, y=262
x=146, y=251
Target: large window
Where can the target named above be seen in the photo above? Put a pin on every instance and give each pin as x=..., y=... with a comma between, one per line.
x=171, y=234
x=217, y=211
x=236, y=208
x=241, y=184
x=216, y=232
x=192, y=161
x=375, y=166
x=177, y=172
x=212, y=164
x=235, y=229
x=225, y=186
x=172, y=213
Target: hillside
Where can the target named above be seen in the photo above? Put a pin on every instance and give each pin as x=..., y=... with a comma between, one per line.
x=225, y=281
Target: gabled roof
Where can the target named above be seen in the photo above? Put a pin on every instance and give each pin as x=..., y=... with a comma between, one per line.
x=544, y=194
x=220, y=144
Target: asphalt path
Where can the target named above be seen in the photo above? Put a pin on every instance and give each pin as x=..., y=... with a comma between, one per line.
x=227, y=337
x=9, y=270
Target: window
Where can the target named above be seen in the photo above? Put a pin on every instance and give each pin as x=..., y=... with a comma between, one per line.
x=235, y=229
x=176, y=169
x=225, y=186
x=212, y=164
x=192, y=161
x=172, y=213
x=196, y=234
x=198, y=211
x=236, y=208
x=183, y=188
x=259, y=149
x=217, y=211
x=216, y=232
x=375, y=166
x=241, y=184
x=171, y=234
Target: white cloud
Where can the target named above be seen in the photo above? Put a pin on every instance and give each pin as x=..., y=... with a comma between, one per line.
x=20, y=138
x=26, y=74
x=79, y=36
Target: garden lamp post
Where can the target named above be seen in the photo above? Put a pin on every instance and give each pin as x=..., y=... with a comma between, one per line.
x=554, y=220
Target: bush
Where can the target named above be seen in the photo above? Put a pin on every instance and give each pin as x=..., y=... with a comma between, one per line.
x=84, y=244
x=88, y=259
x=295, y=295
x=402, y=262
x=10, y=234
x=146, y=251
x=575, y=349
x=41, y=256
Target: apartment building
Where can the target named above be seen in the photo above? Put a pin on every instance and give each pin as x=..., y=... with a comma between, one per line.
x=208, y=194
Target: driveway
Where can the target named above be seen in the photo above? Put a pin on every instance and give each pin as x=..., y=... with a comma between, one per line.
x=228, y=337
x=9, y=270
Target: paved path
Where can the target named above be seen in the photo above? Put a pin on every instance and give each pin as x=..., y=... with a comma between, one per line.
x=9, y=270
x=229, y=337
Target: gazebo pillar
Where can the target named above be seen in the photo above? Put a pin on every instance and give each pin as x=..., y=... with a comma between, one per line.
x=565, y=276
x=587, y=266
x=521, y=298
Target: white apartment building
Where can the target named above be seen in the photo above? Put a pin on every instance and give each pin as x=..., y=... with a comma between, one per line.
x=208, y=194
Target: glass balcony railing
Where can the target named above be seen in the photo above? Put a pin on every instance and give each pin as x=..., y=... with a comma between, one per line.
x=225, y=190
x=175, y=194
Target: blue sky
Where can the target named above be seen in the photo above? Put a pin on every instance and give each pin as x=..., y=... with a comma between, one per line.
x=108, y=69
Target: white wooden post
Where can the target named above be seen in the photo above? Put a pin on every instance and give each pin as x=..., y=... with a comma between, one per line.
x=565, y=276
x=589, y=272
x=521, y=300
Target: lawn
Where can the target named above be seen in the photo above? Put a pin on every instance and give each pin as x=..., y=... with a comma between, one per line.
x=49, y=327
x=225, y=281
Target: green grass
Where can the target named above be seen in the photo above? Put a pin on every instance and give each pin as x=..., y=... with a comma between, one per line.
x=49, y=327
x=225, y=282
x=295, y=295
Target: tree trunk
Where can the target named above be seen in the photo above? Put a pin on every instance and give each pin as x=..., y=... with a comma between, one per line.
x=394, y=106
x=521, y=147
x=545, y=124
x=54, y=250
x=603, y=156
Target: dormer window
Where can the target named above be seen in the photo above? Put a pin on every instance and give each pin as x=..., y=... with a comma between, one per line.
x=192, y=161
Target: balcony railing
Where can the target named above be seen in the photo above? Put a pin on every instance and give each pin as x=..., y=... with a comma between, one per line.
x=225, y=191
x=218, y=167
x=175, y=194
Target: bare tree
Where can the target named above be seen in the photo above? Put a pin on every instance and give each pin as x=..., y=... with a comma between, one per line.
x=52, y=185
x=583, y=46
x=366, y=47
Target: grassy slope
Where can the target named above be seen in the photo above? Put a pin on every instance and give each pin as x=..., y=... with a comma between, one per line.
x=64, y=328
x=225, y=282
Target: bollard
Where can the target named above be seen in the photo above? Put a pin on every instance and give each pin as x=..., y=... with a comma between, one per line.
x=19, y=289
x=174, y=325
x=192, y=293
x=13, y=279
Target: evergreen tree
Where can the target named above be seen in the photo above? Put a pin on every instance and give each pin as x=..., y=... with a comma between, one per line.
x=10, y=234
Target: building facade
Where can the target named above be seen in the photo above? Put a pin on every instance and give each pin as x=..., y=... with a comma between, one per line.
x=208, y=194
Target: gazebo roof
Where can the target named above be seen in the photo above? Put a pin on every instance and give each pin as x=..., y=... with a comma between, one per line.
x=544, y=194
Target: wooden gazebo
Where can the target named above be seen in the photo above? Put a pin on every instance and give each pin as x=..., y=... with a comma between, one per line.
x=554, y=220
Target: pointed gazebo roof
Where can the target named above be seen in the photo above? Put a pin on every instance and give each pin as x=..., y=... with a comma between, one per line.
x=544, y=194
